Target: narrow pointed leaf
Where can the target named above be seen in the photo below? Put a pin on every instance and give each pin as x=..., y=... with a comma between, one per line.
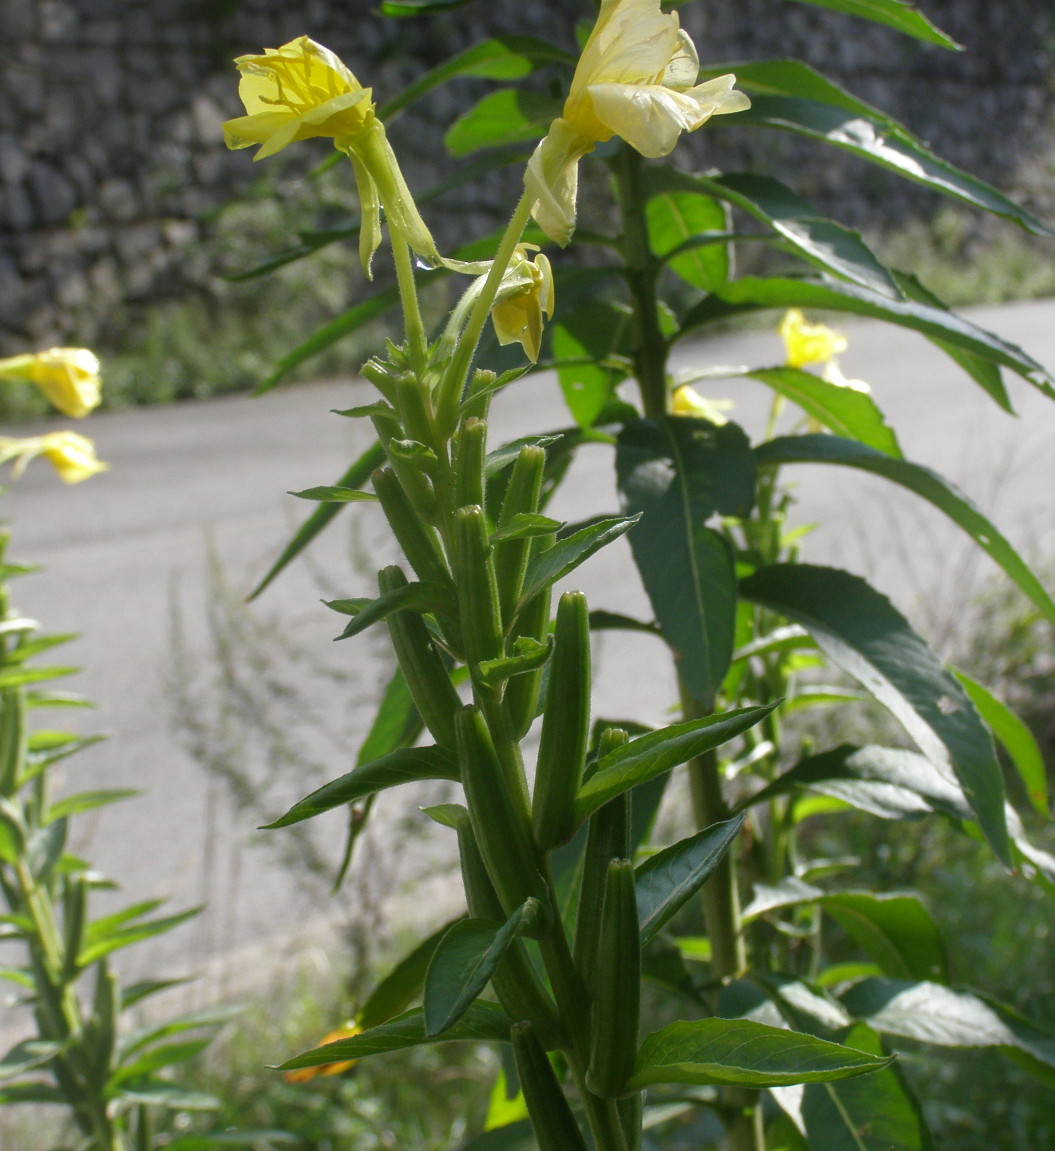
x=571, y=551
x=862, y=632
x=482, y=1022
x=334, y=495
x=650, y=755
x=402, y=985
x=421, y=597
x=897, y=14
x=675, y=475
x=405, y=765
x=945, y=496
x=25, y=1056
x=97, y=945
x=742, y=1053
x=665, y=881
x=464, y=962
x=87, y=800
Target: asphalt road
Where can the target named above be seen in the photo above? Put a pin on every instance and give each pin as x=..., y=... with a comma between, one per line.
x=128, y=553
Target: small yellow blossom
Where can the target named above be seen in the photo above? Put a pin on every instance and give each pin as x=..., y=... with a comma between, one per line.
x=69, y=377
x=686, y=401
x=636, y=79
x=70, y=454
x=807, y=343
x=525, y=296
x=833, y=375
x=304, y=1074
x=301, y=91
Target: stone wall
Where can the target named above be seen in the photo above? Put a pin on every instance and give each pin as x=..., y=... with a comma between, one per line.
x=111, y=157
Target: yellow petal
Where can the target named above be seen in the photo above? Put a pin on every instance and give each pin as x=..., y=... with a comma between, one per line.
x=69, y=377
x=807, y=343
x=552, y=178
x=686, y=401
x=304, y=1074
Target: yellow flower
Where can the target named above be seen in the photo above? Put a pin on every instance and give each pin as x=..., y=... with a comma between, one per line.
x=636, y=79
x=806, y=343
x=524, y=297
x=71, y=455
x=686, y=401
x=833, y=375
x=304, y=1074
x=69, y=377
x=301, y=91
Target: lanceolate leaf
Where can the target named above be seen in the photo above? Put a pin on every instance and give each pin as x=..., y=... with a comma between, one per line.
x=483, y=1022
x=740, y=1052
x=462, y=964
x=405, y=765
x=675, y=475
x=862, y=632
x=406, y=597
x=665, y=881
x=590, y=346
x=678, y=210
x=650, y=755
x=946, y=497
x=402, y=985
x=789, y=95
x=567, y=553
x=899, y=14
x=503, y=117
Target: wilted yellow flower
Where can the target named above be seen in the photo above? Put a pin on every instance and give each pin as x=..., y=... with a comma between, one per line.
x=806, y=343
x=524, y=297
x=301, y=91
x=69, y=377
x=71, y=455
x=686, y=401
x=304, y=1074
x=636, y=79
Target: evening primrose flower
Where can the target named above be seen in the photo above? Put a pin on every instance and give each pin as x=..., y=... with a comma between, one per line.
x=301, y=91
x=636, y=79
x=806, y=343
x=69, y=377
x=686, y=401
x=70, y=454
x=524, y=297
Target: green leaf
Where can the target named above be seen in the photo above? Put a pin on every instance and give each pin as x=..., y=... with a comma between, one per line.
x=405, y=765
x=164, y=1093
x=257, y=1140
x=896, y=931
x=482, y=1022
x=30, y=1092
x=860, y=631
x=650, y=755
x=568, y=553
x=164, y=1055
x=16, y=676
x=876, y=1112
x=464, y=962
x=1015, y=738
x=791, y=96
x=666, y=880
x=591, y=345
x=355, y=476
x=502, y=58
x=507, y=116
x=402, y=985
x=420, y=597
x=334, y=495
x=931, y=1013
x=742, y=1053
x=945, y=496
x=101, y=938
x=676, y=213
x=675, y=475
x=26, y=1055
x=87, y=800
x=844, y=410
x=898, y=14
x=404, y=8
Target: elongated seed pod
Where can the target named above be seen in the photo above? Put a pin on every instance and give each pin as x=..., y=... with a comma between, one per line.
x=522, y=693
x=522, y=496
x=502, y=832
x=565, y=725
x=423, y=668
x=420, y=543
x=74, y=910
x=607, y=838
x=551, y=1114
x=617, y=987
x=409, y=397
x=480, y=617
x=516, y=981
x=470, y=446
x=12, y=738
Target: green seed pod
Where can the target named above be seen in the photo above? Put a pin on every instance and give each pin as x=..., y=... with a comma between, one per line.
x=481, y=620
x=522, y=496
x=420, y=543
x=74, y=910
x=12, y=738
x=522, y=693
x=470, y=447
x=409, y=399
x=502, y=832
x=565, y=725
x=608, y=838
x=423, y=668
x=516, y=982
x=617, y=987
x=551, y=1114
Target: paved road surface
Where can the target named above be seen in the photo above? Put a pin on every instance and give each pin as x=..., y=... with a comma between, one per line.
x=120, y=550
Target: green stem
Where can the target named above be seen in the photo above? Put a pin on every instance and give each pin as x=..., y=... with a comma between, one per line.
x=642, y=271
x=408, y=295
